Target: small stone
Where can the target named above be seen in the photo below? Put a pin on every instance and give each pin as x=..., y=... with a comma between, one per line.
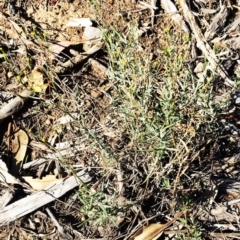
x=10, y=74
x=199, y=68
x=92, y=33
x=48, y=122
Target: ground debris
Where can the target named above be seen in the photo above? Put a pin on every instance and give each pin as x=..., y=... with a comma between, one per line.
x=136, y=99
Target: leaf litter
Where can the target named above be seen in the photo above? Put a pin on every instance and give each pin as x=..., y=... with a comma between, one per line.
x=57, y=60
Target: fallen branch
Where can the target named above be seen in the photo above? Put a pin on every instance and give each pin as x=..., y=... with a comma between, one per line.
x=30, y=203
x=204, y=46
x=14, y=105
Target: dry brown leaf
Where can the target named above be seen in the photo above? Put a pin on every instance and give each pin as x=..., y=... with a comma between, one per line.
x=19, y=148
x=19, y=145
x=232, y=43
x=217, y=23
x=40, y=184
x=154, y=231
x=151, y=232
x=17, y=27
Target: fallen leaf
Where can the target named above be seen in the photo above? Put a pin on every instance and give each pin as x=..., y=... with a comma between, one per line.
x=19, y=145
x=151, y=232
x=91, y=35
x=154, y=231
x=45, y=182
x=17, y=27
x=36, y=82
x=19, y=148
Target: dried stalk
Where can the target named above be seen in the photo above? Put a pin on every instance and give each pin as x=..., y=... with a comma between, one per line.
x=14, y=105
x=204, y=46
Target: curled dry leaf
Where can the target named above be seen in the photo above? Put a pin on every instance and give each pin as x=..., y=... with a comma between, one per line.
x=19, y=145
x=19, y=149
x=91, y=35
x=15, y=30
x=233, y=43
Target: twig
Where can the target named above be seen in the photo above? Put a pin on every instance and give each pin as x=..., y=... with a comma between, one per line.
x=59, y=227
x=153, y=3
x=235, y=235
x=148, y=5
x=176, y=231
x=76, y=60
x=164, y=226
x=46, y=5
x=139, y=10
x=234, y=201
